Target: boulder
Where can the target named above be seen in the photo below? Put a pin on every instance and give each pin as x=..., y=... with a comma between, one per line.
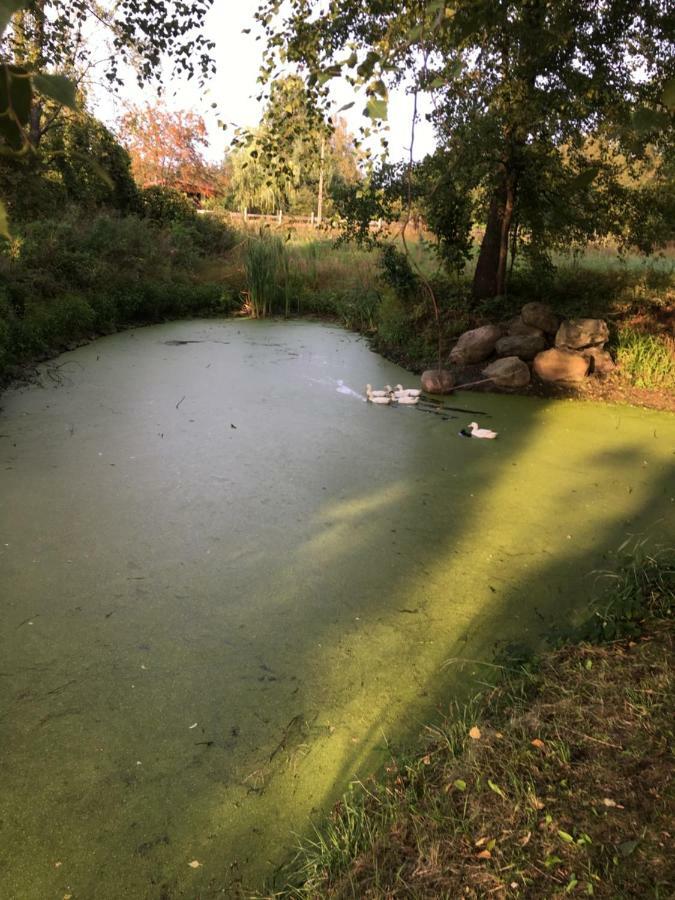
x=578, y=333
x=540, y=315
x=560, y=365
x=476, y=345
x=437, y=381
x=600, y=360
x=510, y=372
x=526, y=346
x=517, y=326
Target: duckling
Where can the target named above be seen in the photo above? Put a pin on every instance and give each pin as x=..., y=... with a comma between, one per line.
x=407, y=399
x=481, y=432
x=371, y=393
x=375, y=398
x=400, y=391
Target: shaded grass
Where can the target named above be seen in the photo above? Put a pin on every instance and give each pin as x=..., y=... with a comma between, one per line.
x=64, y=282
x=556, y=782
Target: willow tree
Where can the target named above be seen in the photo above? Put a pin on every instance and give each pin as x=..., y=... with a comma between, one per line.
x=515, y=84
x=291, y=158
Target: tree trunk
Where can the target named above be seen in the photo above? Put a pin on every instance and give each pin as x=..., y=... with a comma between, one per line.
x=319, y=208
x=490, y=277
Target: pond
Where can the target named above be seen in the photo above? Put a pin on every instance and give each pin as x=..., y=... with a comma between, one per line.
x=229, y=587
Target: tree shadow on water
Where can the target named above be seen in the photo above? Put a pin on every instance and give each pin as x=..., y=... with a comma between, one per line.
x=417, y=549
x=504, y=559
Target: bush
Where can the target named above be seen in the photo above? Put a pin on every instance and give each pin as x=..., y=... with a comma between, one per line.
x=165, y=205
x=63, y=279
x=397, y=271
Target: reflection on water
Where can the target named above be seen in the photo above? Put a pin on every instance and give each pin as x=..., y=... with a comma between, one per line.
x=228, y=586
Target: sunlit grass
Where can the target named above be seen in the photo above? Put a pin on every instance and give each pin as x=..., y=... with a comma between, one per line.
x=648, y=360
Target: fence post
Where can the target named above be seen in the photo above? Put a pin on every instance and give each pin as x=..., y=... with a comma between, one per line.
x=279, y=217
x=311, y=219
x=246, y=214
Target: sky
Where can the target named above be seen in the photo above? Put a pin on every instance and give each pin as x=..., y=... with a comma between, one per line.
x=234, y=89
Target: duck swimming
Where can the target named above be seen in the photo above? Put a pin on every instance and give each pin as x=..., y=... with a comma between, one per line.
x=400, y=391
x=370, y=393
x=477, y=432
x=382, y=397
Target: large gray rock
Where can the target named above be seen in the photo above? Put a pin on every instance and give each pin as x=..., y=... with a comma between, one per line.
x=510, y=372
x=540, y=315
x=579, y=333
x=526, y=346
x=476, y=345
x=437, y=381
x=560, y=365
x=600, y=360
x=517, y=326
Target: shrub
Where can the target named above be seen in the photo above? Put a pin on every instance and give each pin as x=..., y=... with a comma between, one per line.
x=165, y=205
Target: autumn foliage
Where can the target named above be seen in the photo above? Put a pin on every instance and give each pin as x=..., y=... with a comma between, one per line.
x=167, y=149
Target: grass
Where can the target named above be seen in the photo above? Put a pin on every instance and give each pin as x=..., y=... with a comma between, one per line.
x=648, y=360
x=266, y=271
x=65, y=281
x=555, y=783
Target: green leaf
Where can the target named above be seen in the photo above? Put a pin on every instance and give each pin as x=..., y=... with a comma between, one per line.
x=645, y=120
x=58, y=88
x=4, y=222
x=566, y=837
x=668, y=96
x=627, y=847
x=585, y=179
x=16, y=94
x=459, y=784
x=376, y=109
x=346, y=106
x=329, y=72
x=15, y=103
x=495, y=787
x=7, y=10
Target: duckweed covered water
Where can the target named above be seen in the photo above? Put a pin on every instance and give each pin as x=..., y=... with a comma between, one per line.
x=227, y=585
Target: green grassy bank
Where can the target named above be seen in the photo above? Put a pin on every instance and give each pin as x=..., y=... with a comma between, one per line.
x=67, y=280
x=64, y=281
x=384, y=297
x=555, y=782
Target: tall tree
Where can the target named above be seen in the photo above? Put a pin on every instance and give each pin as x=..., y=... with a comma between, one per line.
x=167, y=148
x=514, y=82
x=290, y=159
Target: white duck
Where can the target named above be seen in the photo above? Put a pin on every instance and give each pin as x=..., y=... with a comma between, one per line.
x=400, y=391
x=370, y=393
x=377, y=396
x=406, y=399
x=481, y=432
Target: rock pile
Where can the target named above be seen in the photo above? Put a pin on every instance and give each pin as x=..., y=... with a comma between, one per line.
x=566, y=351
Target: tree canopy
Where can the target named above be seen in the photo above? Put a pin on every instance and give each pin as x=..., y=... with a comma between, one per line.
x=167, y=149
x=521, y=90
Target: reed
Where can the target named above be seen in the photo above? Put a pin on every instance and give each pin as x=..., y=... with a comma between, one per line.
x=266, y=268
